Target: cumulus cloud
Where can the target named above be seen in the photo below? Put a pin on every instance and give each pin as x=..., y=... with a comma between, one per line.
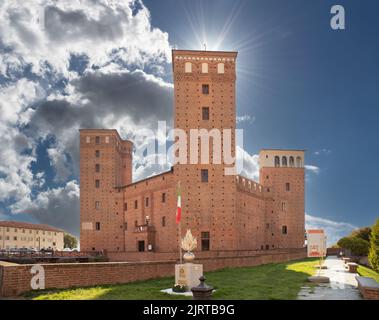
x=44, y=33
x=334, y=229
x=249, y=162
x=43, y=99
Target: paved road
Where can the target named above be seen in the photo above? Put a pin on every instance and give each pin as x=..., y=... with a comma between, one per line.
x=342, y=286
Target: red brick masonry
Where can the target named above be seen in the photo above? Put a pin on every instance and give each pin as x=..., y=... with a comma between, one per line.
x=15, y=279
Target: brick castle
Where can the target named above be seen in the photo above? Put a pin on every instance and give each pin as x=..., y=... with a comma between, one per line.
x=226, y=213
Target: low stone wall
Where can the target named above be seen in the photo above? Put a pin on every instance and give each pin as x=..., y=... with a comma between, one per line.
x=16, y=279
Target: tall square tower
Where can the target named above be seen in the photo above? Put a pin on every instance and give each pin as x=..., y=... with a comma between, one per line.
x=205, y=98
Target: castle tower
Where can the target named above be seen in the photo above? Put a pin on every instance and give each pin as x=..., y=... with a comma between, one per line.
x=105, y=163
x=204, y=89
x=282, y=172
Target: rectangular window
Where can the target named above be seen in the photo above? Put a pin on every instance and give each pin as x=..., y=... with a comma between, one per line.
x=15, y=238
x=284, y=229
x=284, y=206
x=97, y=139
x=205, y=241
x=147, y=202
x=141, y=246
x=97, y=183
x=205, y=88
x=288, y=186
x=125, y=226
x=88, y=139
x=125, y=206
x=97, y=226
x=135, y=204
x=163, y=197
x=205, y=113
x=106, y=139
x=97, y=153
x=204, y=175
x=163, y=221
x=97, y=205
x=97, y=167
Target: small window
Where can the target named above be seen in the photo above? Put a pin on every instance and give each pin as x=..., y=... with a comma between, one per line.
x=97, y=183
x=97, y=167
x=135, y=204
x=141, y=246
x=97, y=140
x=97, y=226
x=97, y=153
x=284, y=206
x=147, y=202
x=220, y=68
x=204, y=175
x=14, y=238
x=205, y=113
x=125, y=226
x=205, y=241
x=163, y=221
x=288, y=186
x=205, y=88
x=204, y=67
x=284, y=229
x=267, y=247
x=88, y=139
x=188, y=67
x=97, y=205
x=163, y=197
x=106, y=139
x=125, y=206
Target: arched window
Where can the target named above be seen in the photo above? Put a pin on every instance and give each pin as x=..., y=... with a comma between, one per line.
x=299, y=163
x=284, y=162
x=277, y=161
x=204, y=67
x=220, y=68
x=292, y=162
x=188, y=67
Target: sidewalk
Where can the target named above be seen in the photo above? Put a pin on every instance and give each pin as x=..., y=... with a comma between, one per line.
x=342, y=286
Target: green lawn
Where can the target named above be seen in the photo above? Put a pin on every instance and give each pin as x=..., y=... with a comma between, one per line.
x=367, y=272
x=272, y=281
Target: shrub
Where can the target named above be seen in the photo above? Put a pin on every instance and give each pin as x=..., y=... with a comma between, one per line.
x=373, y=256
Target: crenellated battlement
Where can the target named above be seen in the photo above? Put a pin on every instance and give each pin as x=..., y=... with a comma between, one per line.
x=250, y=186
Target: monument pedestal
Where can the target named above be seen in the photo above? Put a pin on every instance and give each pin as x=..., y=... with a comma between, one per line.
x=188, y=274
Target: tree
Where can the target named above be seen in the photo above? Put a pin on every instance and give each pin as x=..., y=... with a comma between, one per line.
x=70, y=241
x=373, y=256
x=363, y=233
x=357, y=246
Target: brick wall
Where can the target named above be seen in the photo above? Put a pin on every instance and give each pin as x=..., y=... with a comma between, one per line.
x=15, y=279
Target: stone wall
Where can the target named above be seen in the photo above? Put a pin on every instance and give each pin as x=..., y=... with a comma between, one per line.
x=15, y=279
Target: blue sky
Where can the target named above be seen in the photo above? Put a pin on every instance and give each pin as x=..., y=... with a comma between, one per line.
x=306, y=85
x=107, y=64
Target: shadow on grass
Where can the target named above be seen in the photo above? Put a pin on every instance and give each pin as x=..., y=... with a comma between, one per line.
x=280, y=281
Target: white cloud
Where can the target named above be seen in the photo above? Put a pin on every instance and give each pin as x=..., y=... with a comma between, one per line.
x=313, y=169
x=245, y=118
x=334, y=229
x=323, y=151
x=44, y=33
x=250, y=164
x=110, y=35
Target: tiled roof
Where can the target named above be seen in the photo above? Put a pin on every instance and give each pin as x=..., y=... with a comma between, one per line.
x=27, y=225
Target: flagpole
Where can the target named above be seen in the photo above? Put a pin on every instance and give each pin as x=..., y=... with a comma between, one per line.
x=180, y=230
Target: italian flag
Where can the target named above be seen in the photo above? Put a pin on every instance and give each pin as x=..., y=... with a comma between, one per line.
x=179, y=206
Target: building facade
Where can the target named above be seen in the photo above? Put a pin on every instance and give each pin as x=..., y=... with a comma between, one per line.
x=17, y=235
x=225, y=212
